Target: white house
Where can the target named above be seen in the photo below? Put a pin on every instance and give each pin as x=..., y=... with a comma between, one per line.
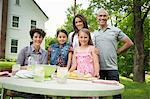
x=22, y=15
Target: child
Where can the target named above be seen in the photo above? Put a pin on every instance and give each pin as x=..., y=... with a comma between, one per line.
x=85, y=60
x=60, y=54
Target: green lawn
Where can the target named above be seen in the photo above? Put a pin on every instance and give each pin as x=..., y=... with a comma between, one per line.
x=135, y=90
x=6, y=65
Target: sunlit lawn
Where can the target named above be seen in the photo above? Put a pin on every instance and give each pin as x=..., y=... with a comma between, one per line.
x=136, y=90
x=6, y=65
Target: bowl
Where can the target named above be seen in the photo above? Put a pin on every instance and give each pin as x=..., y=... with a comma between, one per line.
x=48, y=69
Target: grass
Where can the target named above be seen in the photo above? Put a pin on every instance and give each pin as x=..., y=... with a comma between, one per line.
x=6, y=65
x=134, y=90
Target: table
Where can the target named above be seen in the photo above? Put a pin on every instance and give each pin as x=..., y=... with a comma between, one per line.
x=78, y=88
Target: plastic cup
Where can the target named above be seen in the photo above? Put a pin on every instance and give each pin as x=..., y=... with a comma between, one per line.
x=15, y=68
x=62, y=74
x=39, y=74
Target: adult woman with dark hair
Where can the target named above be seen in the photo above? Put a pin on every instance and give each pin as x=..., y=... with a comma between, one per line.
x=37, y=36
x=79, y=22
x=34, y=49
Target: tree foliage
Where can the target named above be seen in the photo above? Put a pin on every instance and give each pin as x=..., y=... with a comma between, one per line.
x=49, y=41
x=88, y=13
x=122, y=16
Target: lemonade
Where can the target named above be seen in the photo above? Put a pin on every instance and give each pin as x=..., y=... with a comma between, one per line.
x=39, y=74
x=62, y=74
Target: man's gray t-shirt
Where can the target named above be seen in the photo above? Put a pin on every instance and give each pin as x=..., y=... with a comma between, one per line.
x=106, y=42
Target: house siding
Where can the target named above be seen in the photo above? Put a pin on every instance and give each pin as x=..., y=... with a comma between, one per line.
x=26, y=11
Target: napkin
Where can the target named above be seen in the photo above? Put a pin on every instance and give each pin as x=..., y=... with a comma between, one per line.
x=24, y=74
x=111, y=82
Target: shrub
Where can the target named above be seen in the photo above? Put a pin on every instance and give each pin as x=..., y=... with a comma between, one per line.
x=125, y=63
x=7, y=60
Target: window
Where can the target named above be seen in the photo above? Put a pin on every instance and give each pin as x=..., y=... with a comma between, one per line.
x=14, y=44
x=15, y=21
x=33, y=24
x=17, y=2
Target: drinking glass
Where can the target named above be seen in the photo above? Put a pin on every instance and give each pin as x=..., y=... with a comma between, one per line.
x=15, y=68
x=62, y=74
x=39, y=73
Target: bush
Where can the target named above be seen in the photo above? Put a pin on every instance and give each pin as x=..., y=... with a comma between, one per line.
x=6, y=66
x=49, y=41
x=7, y=60
x=125, y=63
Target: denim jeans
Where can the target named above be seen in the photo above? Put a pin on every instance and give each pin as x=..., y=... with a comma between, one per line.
x=110, y=75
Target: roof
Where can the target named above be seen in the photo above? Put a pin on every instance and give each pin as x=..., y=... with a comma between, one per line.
x=40, y=9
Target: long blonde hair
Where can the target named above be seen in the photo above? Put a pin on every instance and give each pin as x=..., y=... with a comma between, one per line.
x=85, y=30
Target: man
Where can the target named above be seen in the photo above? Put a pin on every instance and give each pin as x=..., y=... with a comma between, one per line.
x=106, y=40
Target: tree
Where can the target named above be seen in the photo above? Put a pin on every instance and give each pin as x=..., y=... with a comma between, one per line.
x=49, y=41
x=139, y=74
x=120, y=10
x=139, y=40
x=131, y=19
x=75, y=7
x=88, y=13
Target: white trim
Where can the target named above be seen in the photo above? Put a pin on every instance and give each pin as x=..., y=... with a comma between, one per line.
x=14, y=45
x=12, y=21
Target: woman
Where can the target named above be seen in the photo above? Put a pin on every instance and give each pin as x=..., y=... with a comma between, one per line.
x=37, y=36
x=79, y=22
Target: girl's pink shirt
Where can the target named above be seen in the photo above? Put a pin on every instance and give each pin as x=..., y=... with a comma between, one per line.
x=84, y=62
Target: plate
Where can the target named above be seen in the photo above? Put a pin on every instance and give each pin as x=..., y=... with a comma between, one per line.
x=24, y=74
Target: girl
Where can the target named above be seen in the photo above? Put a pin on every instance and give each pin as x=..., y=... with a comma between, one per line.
x=79, y=22
x=59, y=54
x=37, y=35
x=84, y=58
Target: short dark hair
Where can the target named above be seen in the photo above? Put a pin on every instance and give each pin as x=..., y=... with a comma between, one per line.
x=61, y=30
x=37, y=30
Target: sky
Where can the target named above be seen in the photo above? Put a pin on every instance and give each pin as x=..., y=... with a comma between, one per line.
x=56, y=11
